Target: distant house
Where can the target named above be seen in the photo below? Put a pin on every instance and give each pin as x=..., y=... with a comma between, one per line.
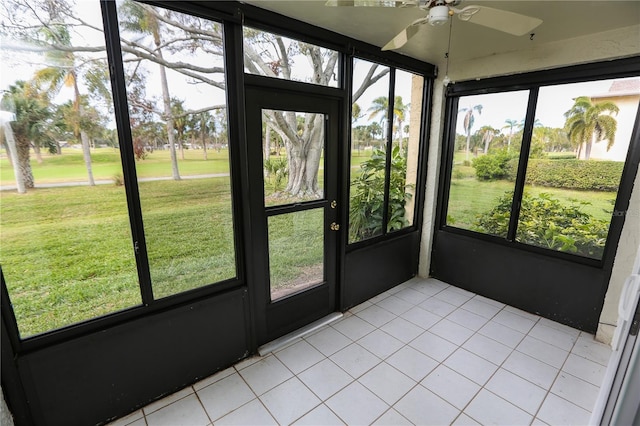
x=626, y=95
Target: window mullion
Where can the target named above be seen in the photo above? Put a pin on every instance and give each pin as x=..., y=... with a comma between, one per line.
x=388, y=150
x=518, y=191
x=114, y=55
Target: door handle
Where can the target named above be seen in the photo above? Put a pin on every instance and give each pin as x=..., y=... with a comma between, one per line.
x=334, y=226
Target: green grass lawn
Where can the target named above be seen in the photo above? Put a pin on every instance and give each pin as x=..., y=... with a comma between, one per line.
x=105, y=163
x=67, y=254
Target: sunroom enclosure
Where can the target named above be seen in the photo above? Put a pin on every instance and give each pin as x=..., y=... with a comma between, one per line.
x=260, y=173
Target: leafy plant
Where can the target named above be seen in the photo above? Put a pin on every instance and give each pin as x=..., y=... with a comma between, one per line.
x=496, y=165
x=367, y=196
x=546, y=222
x=278, y=169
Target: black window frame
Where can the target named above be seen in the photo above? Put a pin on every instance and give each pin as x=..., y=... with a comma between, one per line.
x=150, y=304
x=532, y=82
x=232, y=16
x=422, y=154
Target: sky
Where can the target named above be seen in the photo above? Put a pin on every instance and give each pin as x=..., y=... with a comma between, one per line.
x=553, y=102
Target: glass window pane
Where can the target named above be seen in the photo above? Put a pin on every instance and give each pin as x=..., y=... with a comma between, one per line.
x=174, y=72
x=485, y=161
x=407, y=113
x=293, y=156
x=578, y=150
x=276, y=56
x=296, y=251
x=369, y=109
x=66, y=247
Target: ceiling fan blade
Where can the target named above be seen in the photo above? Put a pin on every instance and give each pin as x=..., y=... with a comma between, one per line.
x=371, y=3
x=403, y=37
x=501, y=20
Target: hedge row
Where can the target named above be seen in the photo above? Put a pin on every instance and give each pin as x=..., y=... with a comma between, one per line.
x=573, y=174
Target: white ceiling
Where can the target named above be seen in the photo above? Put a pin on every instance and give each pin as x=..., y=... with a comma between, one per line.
x=377, y=25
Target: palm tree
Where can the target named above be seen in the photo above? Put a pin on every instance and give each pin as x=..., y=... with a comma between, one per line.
x=587, y=123
x=65, y=73
x=399, y=113
x=510, y=124
x=32, y=112
x=380, y=106
x=467, y=124
x=487, y=133
x=141, y=18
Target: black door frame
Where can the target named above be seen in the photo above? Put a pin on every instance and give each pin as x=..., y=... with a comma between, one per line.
x=274, y=319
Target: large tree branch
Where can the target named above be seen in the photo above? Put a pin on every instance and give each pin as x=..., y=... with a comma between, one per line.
x=369, y=80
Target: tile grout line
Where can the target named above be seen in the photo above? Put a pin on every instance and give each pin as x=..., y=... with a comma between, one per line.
x=490, y=377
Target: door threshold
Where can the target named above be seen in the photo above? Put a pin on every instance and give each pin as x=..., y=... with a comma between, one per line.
x=280, y=342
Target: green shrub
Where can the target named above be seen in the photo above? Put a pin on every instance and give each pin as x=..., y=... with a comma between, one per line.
x=575, y=174
x=496, y=165
x=546, y=222
x=367, y=196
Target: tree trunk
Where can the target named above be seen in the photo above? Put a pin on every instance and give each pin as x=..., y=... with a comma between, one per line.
x=21, y=174
x=24, y=163
x=166, y=100
x=86, y=153
x=587, y=150
x=304, y=162
x=468, y=143
x=167, y=111
x=86, y=148
x=36, y=149
x=204, y=142
x=181, y=147
x=267, y=143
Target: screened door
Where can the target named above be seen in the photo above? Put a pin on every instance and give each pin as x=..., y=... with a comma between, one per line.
x=293, y=174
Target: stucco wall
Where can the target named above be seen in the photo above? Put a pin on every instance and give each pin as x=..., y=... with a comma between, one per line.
x=628, y=247
x=623, y=42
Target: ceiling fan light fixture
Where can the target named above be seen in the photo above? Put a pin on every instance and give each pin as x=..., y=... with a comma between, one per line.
x=438, y=15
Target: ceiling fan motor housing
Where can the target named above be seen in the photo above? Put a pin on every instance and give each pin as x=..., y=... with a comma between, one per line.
x=438, y=15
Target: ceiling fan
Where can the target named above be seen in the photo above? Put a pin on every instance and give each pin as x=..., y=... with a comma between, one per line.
x=440, y=11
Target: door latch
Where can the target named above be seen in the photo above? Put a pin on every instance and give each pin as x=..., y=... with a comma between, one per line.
x=334, y=226
x=334, y=204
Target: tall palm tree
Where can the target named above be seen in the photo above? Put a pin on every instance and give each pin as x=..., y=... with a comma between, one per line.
x=510, y=124
x=467, y=124
x=65, y=72
x=588, y=123
x=141, y=18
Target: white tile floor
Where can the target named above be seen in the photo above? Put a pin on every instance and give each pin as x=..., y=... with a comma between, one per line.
x=423, y=352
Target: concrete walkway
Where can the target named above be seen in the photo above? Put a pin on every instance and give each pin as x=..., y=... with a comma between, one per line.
x=110, y=181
